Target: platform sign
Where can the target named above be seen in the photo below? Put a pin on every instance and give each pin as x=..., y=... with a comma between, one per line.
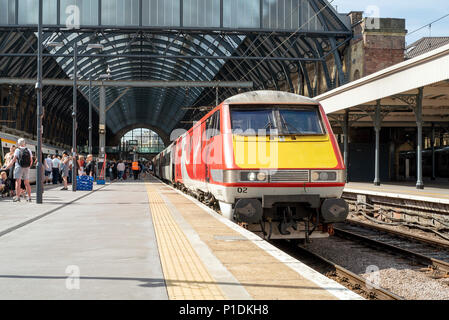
x=133, y=142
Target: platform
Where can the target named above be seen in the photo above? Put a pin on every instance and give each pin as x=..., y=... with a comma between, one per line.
x=433, y=193
x=143, y=240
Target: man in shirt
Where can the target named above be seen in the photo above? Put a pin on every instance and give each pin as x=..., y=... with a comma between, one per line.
x=48, y=169
x=22, y=161
x=55, y=169
x=120, y=170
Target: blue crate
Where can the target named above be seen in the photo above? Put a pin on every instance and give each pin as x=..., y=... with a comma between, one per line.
x=84, y=183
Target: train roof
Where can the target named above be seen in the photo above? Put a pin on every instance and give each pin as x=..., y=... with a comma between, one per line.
x=269, y=97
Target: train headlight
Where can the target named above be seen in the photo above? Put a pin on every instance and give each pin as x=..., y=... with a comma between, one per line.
x=248, y=176
x=261, y=176
x=252, y=176
x=327, y=176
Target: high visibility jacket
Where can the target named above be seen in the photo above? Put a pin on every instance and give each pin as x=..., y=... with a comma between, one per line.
x=135, y=166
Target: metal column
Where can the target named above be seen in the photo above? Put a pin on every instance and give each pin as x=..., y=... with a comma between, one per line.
x=74, y=111
x=102, y=124
x=419, y=122
x=90, y=115
x=432, y=141
x=346, y=142
x=39, y=185
x=377, y=126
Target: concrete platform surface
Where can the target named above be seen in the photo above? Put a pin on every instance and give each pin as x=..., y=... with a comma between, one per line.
x=143, y=240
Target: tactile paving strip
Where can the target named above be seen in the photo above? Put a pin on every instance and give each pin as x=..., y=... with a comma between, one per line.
x=186, y=277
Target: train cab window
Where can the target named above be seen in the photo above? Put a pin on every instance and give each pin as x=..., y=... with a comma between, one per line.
x=300, y=122
x=294, y=120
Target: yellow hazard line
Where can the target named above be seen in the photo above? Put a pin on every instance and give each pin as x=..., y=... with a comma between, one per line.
x=185, y=275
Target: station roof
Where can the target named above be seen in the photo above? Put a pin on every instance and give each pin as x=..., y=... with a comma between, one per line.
x=262, y=41
x=396, y=88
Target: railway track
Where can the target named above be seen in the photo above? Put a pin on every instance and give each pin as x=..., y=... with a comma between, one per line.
x=429, y=253
x=338, y=273
x=402, y=234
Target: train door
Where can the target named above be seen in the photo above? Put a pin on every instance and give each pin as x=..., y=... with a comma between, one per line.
x=212, y=143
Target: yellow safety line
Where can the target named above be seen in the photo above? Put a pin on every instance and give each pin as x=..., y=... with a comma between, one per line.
x=185, y=275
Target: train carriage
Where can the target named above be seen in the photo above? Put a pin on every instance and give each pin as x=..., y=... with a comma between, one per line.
x=8, y=140
x=270, y=160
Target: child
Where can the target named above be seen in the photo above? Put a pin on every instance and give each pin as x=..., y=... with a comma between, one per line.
x=3, y=184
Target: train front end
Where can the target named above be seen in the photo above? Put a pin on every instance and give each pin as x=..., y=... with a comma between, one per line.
x=283, y=172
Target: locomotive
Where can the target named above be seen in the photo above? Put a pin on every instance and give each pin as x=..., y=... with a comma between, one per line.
x=269, y=159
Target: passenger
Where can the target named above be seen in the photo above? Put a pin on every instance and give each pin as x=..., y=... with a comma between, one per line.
x=81, y=165
x=60, y=174
x=22, y=161
x=8, y=160
x=90, y=166
x=135, y=168
x=65, y=164
x=120, y=170
x=114, y=170
x=55, y=169
x=48, y=169
x=4, y=184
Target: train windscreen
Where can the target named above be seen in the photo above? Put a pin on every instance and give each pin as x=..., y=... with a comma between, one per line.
x=283, y=120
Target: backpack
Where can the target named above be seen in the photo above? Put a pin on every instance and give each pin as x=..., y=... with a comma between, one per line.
x=24, y=158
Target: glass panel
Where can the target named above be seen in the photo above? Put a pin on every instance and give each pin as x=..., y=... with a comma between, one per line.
x=283, y=14
x=7, y=11
x=201, y=13
x=120, y=12
x=145, y=140
x=241, y=13
x=29, y=11
x=88, y=10
x=161, y=12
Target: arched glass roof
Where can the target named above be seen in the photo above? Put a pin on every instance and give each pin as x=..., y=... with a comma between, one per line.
x=202, y=34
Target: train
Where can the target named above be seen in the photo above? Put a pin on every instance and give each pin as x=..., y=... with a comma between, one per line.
x=268, y=159
x=7, y=140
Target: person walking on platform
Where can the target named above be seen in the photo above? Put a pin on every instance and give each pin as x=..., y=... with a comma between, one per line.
x=55, y=169
x=22, y=161
x=81, y=165
x=135, y=168
x=120, y=170
x=90, y=166
x=65, y=164
x=48, y=169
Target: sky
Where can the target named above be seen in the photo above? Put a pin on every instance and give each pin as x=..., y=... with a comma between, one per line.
x=416, y=12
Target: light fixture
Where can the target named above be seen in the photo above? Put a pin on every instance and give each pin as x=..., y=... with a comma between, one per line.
x=95, y=46
x=55, y=44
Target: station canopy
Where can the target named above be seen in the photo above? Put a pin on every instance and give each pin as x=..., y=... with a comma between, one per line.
x=263, y=41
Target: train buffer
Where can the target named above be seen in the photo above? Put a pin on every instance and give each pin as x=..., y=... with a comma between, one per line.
x=143, y=240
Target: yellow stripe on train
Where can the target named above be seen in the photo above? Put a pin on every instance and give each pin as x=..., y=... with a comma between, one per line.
x=284, y=152
x=8, y=141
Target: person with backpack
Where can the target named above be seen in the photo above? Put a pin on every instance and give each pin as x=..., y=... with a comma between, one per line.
x=23, y=160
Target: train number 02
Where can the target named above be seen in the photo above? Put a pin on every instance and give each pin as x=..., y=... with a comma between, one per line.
x=242, y=190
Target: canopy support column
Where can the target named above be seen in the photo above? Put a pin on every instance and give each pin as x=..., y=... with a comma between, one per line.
x=102, y=123
x=419, y=122
x=432, y=141
x=345, y=142
x=377, y=127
